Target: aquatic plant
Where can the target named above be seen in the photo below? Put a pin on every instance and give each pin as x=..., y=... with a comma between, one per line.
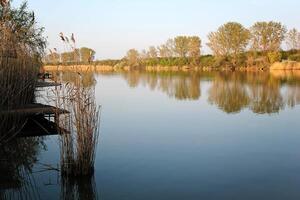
x=80, y=129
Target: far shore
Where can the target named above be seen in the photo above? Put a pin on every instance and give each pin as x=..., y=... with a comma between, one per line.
x=106, y=68
x=285, y=65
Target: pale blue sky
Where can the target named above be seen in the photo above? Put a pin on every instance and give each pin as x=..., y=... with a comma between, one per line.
x=111, y=27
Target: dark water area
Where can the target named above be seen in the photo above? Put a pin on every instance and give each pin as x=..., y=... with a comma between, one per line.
x=208, y=135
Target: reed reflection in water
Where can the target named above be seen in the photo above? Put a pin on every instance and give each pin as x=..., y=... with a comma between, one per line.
x=17, y=160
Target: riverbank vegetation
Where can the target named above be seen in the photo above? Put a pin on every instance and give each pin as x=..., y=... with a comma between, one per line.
x=232, y=45
x=21, y=51
x=80, y=129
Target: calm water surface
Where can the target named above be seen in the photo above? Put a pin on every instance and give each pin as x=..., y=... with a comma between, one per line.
x=185, y=136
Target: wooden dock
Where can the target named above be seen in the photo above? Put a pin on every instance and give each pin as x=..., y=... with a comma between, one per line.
x=40, y=118
x=35, y=109
x=37, y=126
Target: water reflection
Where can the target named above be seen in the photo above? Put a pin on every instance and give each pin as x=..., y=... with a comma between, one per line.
x=17, y=160
x=261, y=92
x=79, y=189
x=87, y=78
x=181, y=86
x=18, y=166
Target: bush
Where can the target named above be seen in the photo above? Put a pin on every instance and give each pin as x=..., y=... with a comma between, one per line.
x=207, y=61
x=274, y=57
x=295, y=57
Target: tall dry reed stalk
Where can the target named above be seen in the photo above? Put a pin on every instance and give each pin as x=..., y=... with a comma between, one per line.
x=21, y=46
x=79, y=141
x=79, y=130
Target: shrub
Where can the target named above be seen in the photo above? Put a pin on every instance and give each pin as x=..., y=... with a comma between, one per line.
x=274, y=57
x=295, y=57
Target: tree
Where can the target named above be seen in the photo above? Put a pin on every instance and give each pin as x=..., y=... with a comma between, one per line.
x=144, y=54
x=72, y=56
x=194, y=49
x=87, y=54
x=133, y=57
x=53, y=57
x=230, y=39
x=293, y=39
x=66, y=57
x=181, y=46
x=152, y=52
x=167, y=50
x=267, y=36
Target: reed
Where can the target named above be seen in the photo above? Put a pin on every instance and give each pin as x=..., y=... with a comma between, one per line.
x=21, y=49
x=79, y=141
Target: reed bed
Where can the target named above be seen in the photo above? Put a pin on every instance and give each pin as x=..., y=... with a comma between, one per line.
x=21, y=47
x=80, y=129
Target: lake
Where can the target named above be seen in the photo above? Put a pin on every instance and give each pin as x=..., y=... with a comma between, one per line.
x=183, y=135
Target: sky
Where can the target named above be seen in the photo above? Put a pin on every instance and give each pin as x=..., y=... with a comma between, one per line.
x=111, y=27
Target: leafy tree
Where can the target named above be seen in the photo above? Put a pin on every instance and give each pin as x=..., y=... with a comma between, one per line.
x=274, y=57
x=293, y=39
x=133, y=57
x=267, y=36
x=230, y=39
x=181, y=46
x=167, y=50
x=194, y=49
x=87, y=54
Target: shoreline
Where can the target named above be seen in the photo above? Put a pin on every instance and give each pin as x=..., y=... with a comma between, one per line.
x=106, y=68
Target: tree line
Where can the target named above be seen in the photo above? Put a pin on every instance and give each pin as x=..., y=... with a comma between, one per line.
x=82, y=55
x=231, y=44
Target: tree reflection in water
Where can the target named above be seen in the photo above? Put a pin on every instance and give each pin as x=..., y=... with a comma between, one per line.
x=261, y=92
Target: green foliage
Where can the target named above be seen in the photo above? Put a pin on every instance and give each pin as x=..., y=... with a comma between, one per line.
x=207, y=61
x=230, y=39
x=294, y=57
x=274, y=57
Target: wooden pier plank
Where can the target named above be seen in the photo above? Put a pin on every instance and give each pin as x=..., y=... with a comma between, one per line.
x=35, y=109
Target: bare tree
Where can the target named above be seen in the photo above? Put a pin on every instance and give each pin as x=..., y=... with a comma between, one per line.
x=293, y=39
x=267, y=36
